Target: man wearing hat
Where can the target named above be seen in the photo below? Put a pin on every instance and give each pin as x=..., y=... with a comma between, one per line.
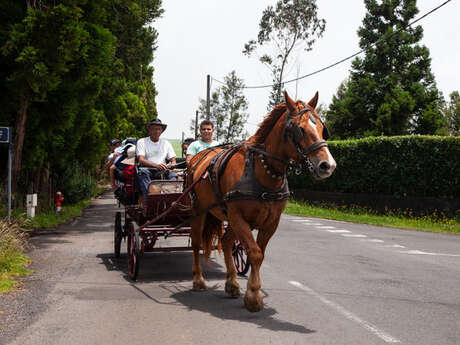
x=154, y=152
x=114, y=145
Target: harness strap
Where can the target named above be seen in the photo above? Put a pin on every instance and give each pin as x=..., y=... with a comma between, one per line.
x=269, y=155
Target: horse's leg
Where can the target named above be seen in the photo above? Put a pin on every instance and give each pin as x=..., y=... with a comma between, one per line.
x=253, y=297
x=264, y=234
x=232, y=287
x=197, y=229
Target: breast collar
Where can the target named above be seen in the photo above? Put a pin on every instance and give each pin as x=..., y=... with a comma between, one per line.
x=248, y=187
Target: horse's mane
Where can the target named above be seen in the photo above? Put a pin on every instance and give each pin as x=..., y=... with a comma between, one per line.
x=267, y=124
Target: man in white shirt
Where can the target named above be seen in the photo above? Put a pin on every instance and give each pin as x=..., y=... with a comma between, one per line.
x=156, y=153
x=206, y=132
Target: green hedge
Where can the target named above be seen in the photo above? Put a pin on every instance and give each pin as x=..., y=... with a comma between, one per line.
x=427, y=166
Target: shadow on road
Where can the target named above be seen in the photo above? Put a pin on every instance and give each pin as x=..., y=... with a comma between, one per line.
x=218, y=304
x=176, y=268
x=162, y=267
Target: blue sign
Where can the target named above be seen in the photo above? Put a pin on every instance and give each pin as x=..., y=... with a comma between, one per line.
x=5, y=135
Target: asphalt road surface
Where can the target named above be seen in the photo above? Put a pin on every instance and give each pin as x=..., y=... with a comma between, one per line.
x=325, y=283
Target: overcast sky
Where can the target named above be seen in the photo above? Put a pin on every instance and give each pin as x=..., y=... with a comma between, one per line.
x=203, y=37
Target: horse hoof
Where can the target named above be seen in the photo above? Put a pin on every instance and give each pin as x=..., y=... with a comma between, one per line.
x=232, y=289
x=199, y=285
x=253, y=304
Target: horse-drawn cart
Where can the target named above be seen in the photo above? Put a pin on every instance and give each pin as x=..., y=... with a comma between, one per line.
x=162, y=215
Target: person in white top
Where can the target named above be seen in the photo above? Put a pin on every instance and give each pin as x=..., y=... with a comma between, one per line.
x=157, y=153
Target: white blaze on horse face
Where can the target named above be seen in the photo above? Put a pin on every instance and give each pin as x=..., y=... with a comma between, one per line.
x=330, y=160
x=313, y=125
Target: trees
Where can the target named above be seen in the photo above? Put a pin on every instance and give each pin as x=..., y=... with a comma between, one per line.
x=452, y=111
x=40, y=49
x=216, y=114
x=289, y=26
x=234, y=105
x=73, y=75
x=391, y=90
x=228, y=107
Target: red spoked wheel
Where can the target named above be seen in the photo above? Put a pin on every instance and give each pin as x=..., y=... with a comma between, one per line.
x=117, y=234
x=134, y=252
x=240, y=258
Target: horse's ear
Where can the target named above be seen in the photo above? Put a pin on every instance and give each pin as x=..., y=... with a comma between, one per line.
x=314, y=101
x=289, y=102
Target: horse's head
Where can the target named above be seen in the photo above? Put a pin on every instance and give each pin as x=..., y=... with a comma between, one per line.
x=306, y=137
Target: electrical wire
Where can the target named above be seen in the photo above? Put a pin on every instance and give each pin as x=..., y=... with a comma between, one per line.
x=344, y=59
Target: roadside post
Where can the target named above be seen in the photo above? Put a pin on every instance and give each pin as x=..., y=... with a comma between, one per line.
x=5, y=138
x=31, y=204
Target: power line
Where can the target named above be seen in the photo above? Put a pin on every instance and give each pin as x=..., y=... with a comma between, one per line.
x=344, y=59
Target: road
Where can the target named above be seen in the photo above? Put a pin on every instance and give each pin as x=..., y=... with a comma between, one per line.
x=325, y=283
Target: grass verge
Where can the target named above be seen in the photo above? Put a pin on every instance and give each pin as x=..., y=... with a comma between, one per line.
x=13, y=239
x=403, y=219
x=13, y=263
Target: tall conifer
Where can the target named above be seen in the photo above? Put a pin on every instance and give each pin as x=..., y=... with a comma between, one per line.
x=391, y=90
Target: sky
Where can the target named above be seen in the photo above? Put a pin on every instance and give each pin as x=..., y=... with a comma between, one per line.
x=202, y=37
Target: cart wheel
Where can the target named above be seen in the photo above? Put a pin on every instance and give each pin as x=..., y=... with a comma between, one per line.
x=134, y=253
x=118, y=234
x=240, y=258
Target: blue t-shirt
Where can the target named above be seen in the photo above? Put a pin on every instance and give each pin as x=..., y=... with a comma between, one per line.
x=198, y=146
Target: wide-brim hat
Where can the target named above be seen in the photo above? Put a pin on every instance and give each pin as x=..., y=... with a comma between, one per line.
x=156, y=122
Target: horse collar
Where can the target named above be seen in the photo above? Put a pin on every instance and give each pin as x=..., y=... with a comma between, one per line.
x=269, y=169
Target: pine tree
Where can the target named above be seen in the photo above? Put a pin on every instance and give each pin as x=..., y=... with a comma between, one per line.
x=391, y=90
x=228, y=107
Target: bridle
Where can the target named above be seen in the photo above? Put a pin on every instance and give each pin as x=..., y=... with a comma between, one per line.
x=295, y=134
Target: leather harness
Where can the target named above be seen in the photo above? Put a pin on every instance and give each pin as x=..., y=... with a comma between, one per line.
x=248, y=187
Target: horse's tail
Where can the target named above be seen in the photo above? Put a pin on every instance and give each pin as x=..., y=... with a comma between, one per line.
x=212, y=235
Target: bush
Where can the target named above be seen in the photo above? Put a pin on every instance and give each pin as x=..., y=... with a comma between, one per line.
x=76, y=184
x=419, y=166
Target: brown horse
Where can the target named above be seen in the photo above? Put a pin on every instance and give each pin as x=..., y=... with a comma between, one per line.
x=246, y=186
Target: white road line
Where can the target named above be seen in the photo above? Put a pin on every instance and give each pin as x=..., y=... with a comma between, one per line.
x=325, y=227
x=300, y=220
x=338, y=231
x=372, y=240
x=353, y=235
x=395, y=246
x=99, y=225
x=348, y=314
x=419, y=252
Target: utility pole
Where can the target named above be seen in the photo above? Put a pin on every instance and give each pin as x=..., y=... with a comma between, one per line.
x=208, y=91
x=6, y=138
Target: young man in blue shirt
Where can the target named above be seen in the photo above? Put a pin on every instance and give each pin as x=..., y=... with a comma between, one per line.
x=205, y=141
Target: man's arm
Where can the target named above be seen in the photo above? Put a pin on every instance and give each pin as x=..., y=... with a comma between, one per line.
x=172, y=161
x=146, y=163
x=188, y=158
x=112, y=176
x=111, y=160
